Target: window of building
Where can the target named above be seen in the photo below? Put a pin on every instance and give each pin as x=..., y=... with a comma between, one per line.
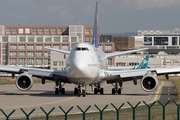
x=39, y=53
x=34, y=30
x=30, y=46
x=21, y=53
x=87, y=39
x=79, y=35
x=40, y=30
x=62, y=63
x=108, y=47
x=174, y=40
x=8, y=30
x=47, y=30
x=87, y=31
x=65, y=39
x=22, y=39
x=73, y=39
x=39, y=39
x=66, y=31
x=47, y=39
x=46, y=61
x=13, y=46
x=21, y=30
x=59, y=30
x=30, y=53
x=57, y=39
x=21, y=46
x=30, y=39
x=100, y=46
x=30, y=61
x=59, y=63
x=21, y=61
x=13, y=53
x=27, y=30
x=54, y=63
x=64, y=56
x=39, y=46
x=56, y=46
x=13, y=61
x=65, y=46
x=46, y=53
x=106, y=38
x=53, y=31
x=160, y=40
x=91, y=30
x=54, y=68
x=47, y=45
x=39, y=61
x=147, y=40
x=13, y=39
x=14, y=30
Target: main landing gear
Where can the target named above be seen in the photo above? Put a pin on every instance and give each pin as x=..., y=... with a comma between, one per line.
x=59, y=87
x=80, y=90
x=98, y=89
x=116, y=89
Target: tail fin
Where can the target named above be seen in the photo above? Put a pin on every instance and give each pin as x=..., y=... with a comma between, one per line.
x=95, y=31
x=144, y=63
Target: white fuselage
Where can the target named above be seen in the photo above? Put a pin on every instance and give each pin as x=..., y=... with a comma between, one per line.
x=85, y=64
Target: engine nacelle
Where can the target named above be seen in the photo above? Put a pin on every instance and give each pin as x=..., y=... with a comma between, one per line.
x=149, y=82
x=24, y=81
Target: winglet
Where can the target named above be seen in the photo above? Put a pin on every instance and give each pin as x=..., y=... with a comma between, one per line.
x=95, y=31
x=144, y=63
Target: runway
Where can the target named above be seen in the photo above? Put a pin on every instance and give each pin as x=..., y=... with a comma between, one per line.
x=43, y=96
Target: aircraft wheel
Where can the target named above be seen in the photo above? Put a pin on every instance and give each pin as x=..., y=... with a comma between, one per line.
x=75, y=91
x=63, y=91
x=79, y=92
x=113, y=91
x=56, y=91
x=102, y=91
x=95, y=90
x=84, y=93
x=119, y=91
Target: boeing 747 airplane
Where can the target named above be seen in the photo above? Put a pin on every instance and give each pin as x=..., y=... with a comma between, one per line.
x=88, y=65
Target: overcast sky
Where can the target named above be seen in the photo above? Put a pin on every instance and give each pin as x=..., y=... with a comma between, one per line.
x=114, y=16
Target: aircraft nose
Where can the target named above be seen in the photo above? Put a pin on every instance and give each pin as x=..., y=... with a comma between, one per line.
x=79, y=66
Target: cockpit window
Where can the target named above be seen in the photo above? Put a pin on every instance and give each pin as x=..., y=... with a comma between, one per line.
x=78, y=49
x=82, y=49
x=85, y=49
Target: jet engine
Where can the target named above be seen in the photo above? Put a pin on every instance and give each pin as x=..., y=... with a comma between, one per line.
x=24, y=81
x=149, y=82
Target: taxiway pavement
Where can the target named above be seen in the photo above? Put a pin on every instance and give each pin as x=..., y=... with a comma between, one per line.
x=43, y=96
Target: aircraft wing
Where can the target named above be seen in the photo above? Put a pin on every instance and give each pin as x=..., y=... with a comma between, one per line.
x=109, y=75
x=59, y=50
x=45, y=73
x=123, y=52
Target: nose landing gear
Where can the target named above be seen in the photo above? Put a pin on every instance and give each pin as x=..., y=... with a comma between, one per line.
x=81, y=90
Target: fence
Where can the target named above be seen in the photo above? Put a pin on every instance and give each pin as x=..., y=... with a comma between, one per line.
x=117, y=109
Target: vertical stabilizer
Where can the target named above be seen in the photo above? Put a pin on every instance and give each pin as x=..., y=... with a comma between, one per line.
x=95, y=30
x=144, y=63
